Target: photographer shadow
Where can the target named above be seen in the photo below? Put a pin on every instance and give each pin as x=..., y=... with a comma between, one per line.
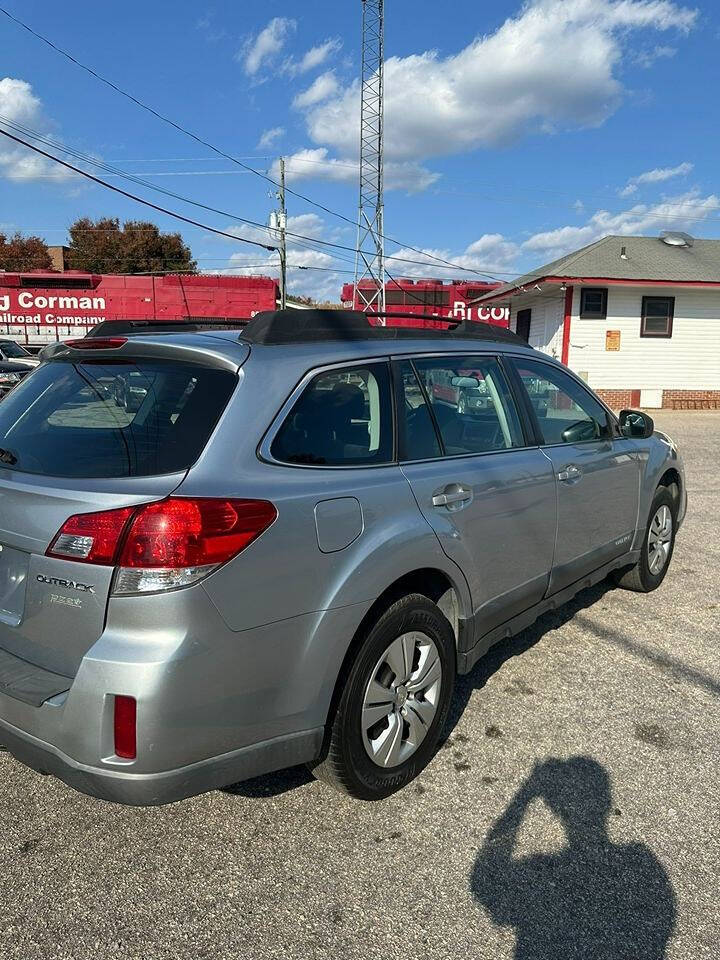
x=594, y=898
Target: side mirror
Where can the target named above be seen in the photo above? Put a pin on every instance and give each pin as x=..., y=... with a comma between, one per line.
x=636, y=425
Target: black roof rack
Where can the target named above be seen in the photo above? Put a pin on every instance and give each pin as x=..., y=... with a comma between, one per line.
x=303, y=326
x=124, y=328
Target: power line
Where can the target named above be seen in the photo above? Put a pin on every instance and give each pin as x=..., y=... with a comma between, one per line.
x=132, y=196
x=187, y=159
x=301, y=239
x=217, y=150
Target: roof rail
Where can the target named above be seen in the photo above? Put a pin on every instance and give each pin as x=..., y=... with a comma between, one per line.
x=290, y=326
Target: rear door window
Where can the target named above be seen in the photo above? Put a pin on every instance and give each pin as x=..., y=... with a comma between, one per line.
x=343, y=418
x=95, y=419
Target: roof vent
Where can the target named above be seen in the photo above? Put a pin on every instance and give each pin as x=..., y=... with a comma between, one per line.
x=676, y=239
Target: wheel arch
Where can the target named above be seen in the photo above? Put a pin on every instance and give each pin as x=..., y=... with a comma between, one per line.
x=672, y=480
x=430, y=582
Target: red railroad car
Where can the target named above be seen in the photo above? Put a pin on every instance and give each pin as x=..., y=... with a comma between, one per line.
x=37, y=308
x=440, y=298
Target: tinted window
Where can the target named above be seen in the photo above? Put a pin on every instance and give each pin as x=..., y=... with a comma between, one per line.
x=471, y=404
x=567, y=413
x=343, y=418
x=99, y=419
x=418, y=437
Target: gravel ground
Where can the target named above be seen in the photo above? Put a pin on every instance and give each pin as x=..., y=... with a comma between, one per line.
x=571, y=813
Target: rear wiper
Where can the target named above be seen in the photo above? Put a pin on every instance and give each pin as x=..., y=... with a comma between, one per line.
x=7, y=456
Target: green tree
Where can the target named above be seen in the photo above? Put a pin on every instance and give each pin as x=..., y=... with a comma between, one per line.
x=103, y=246
x=23, y=253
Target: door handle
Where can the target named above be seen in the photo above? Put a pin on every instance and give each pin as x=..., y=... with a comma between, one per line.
x=570, y=473
x=446, y=499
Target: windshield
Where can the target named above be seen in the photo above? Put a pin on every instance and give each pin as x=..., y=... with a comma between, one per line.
x=96, y=419
x=12, y=349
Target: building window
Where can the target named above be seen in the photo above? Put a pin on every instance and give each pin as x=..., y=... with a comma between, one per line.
x=593, y=303
x=657, y=316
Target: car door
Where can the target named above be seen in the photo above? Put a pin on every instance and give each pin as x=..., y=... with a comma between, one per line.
x=488, y=494
x=597, y=471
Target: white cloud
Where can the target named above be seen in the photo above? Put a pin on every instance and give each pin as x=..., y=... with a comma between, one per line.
x=675, y=213
x=268, y=43
x=504, y=85
x=270, y=137
x=320, y=274
x=489, y=254
x=320, y=89
x=314, y=57
x=311, y=272
x=19, y=104
x=658, y=175
x=646, y=58
x=317, y=164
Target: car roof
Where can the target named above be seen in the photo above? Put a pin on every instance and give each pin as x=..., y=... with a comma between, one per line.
x=289, y=341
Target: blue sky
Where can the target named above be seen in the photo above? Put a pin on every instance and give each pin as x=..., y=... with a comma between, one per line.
x=514, y=132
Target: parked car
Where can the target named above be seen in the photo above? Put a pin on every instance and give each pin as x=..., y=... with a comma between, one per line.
x=11, y=373
x=291, y=549
x=14, y=352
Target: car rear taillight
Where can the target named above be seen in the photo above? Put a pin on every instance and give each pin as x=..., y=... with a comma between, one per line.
x=163, y=545
x=125, y=727
x=91, y=537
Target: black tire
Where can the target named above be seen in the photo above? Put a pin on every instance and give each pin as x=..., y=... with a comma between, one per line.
x=639, y=577
x=345, y=764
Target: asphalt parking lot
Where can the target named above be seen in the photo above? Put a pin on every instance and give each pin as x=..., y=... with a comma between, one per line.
x=572, y=811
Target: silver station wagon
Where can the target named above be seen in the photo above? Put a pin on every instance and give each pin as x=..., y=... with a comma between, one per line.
x=283, y=543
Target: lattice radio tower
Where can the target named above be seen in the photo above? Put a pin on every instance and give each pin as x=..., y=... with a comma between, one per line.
x=370, y=259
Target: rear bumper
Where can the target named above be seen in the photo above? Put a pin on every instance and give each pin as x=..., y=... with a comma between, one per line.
x=214, y=706
x=152, y=789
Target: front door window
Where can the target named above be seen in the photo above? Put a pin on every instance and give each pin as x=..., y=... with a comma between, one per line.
x=565, y=410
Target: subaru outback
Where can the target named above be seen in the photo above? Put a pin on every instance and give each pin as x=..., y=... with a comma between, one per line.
x=293, y=542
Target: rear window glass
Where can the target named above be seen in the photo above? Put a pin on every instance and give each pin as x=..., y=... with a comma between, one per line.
x=103, y=420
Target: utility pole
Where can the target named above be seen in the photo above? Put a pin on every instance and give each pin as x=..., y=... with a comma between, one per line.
x=282, y=226
x=370, y=258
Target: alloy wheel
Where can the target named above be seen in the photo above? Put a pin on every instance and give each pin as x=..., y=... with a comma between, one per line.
x=659, y=540
x=401, y=699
